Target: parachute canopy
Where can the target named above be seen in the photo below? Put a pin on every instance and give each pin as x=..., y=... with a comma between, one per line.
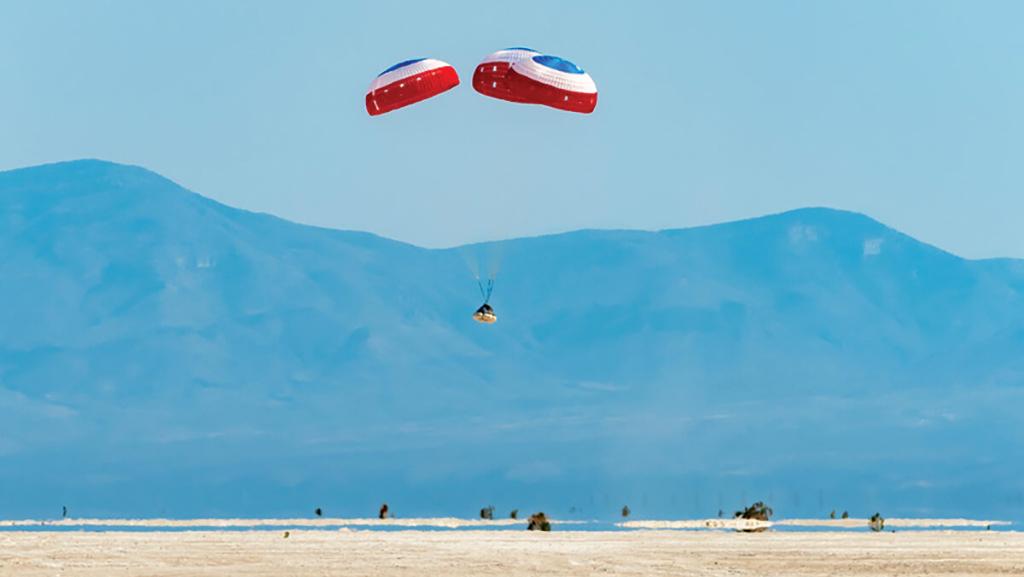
x=409, y=82
x=489, y=76
x=524, y=75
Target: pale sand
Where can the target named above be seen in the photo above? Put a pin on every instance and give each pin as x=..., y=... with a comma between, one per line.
x=851, y=523
x=456, y=523
x=444, y=522
x=892, y=523
x=482, y=553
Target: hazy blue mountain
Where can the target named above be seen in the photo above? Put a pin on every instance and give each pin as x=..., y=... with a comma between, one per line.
x=162, y=354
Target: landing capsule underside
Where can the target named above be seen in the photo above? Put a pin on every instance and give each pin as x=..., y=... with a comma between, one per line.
x=485, y=314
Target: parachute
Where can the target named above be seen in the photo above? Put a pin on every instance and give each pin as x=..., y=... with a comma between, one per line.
x=489, y=76
x=526, y=76
x=554, y=82
x=409, y=82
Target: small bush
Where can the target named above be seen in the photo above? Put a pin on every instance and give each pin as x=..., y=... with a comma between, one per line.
x=539, y=522
x=877, y=522
x=758, y=511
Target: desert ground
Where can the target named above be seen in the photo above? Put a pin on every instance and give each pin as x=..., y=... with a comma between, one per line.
x=478, y=553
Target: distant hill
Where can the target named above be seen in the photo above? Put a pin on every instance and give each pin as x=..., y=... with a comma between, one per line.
x=163, y=354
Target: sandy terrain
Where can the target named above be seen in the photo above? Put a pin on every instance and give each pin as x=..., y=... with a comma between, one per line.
x=481, y=553
x=456, y=523
x=443, y=522
x=850, y=523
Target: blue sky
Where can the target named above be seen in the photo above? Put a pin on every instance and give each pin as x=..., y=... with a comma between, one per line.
x=912, y=112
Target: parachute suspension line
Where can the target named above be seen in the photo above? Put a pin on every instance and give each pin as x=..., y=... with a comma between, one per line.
x=485, y=292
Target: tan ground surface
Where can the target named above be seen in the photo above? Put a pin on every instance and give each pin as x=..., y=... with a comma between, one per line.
x=455, y=523
x=480, y=553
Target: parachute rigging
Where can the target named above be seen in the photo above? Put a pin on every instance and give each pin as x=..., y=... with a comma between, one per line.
x=485, y=314
x=486, y=293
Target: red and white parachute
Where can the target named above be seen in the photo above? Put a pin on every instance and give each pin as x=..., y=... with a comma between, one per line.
x=409, y=82
x=527, y=76
x=489, y=76
x=514, y=74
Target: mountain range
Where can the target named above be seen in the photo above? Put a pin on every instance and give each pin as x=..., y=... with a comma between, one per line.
x=164, y=354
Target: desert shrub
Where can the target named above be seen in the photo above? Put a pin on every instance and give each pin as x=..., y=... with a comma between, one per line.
x=758, y=511
x=539, y=522
x=877, y=523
